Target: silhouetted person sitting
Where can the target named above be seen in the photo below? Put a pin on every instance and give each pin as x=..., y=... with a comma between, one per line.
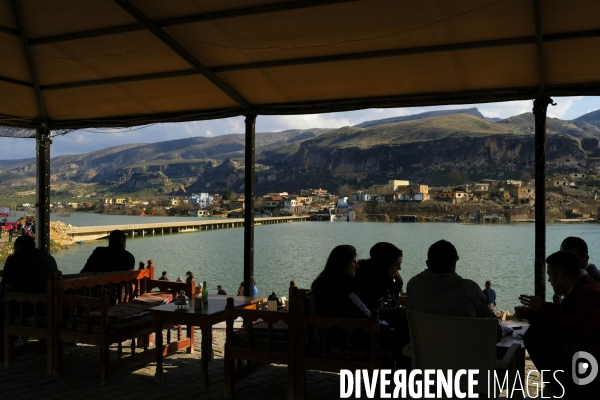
x=440, y=290
x=579, y=247
x=28, y=268
x=220, y=290
x=273, y=296
x=26, y=271
x=164, y=276
x=575, y=320
x=111, y=258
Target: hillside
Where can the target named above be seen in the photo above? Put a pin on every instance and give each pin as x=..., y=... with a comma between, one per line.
x=425, y=147
x=428, y=114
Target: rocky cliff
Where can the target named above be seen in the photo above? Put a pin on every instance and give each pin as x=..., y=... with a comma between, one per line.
x=423, y=147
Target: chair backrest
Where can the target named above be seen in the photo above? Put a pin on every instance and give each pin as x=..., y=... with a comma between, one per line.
x=272, y=305
x=443, y=342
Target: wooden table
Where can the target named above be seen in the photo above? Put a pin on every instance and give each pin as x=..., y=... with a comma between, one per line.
x=212, y=313
x=515, y=337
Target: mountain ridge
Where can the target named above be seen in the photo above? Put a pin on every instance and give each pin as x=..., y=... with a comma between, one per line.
x=421, y=146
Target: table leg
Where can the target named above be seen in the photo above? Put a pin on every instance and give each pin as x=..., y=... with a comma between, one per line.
x=206, y=350
x=190, y=335
x=159, y=351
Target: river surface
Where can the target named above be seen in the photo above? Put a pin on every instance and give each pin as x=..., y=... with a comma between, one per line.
x=297, y=251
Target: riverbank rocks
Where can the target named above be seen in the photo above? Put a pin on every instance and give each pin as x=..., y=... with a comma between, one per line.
x=58, y=232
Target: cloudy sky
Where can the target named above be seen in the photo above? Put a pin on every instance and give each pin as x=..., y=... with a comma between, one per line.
x=89, y=140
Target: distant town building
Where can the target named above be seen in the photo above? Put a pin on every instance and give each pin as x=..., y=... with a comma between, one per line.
x=415, y=192
x=235, y=204
x=361, y=196
x=391, y=186
x=454, y=196
x=313, y=192
x=481, y=187
x=272, y=202
x=199, y=213
x=342, y=205
x=577, y=175
x=514, y=182
x=201, y=200
x=282, y=194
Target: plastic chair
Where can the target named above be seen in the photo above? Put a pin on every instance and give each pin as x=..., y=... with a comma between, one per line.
x=453, y=343
x=272, y=305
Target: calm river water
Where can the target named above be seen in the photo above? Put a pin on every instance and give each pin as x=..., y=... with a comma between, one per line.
x=298, y=251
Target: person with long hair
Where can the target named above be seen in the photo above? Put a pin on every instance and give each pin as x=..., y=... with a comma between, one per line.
x=380, y=284
x=336, y=296
x=334, y=290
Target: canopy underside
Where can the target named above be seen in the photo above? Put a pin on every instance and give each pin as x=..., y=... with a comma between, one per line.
x=95, y=63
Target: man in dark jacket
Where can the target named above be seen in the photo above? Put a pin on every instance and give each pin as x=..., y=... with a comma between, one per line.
x=111, y=258
x=577, y=318
x=490, y=293
x=28, y=268
x=579, y=247
x=26, y=271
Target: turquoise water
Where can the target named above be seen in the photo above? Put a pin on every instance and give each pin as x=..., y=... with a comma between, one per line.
x=298, y=251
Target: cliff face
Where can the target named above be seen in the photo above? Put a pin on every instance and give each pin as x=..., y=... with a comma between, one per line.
x=424, y=145
x=506, y=152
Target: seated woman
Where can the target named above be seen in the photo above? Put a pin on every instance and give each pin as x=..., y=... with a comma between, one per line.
x=380, y=284
x=336, y=296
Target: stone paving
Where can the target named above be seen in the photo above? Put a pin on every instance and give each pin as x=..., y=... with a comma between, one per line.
x=80, y=378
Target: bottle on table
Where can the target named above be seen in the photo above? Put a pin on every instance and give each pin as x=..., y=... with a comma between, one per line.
x=204, y=293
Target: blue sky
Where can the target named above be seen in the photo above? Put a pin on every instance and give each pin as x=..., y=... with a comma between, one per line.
x=89, y=140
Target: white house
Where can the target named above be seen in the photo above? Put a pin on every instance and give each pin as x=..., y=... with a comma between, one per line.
x=201, y=200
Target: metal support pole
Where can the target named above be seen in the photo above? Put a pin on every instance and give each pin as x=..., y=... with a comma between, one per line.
x=249, y=204
x=540, y=106
x=42, y=205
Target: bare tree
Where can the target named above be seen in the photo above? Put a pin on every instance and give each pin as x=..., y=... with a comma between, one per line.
x=345, y=190
x=526, y=177
x=459, y=177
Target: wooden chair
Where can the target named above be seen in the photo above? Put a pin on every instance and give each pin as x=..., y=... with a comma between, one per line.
x=100, y=310
x=271, y=341
x=28, y=315
x=451, y=343
x=317, y=350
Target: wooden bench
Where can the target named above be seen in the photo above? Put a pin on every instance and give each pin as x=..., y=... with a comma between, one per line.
x=271, y=341
x=111, y=308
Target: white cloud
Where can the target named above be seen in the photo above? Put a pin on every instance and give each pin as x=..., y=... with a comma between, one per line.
x=562, y=107
x=93, y=139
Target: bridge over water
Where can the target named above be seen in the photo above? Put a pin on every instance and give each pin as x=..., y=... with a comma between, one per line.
x=87, y=233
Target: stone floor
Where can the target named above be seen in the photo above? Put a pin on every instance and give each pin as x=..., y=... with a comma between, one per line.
x=80, y=379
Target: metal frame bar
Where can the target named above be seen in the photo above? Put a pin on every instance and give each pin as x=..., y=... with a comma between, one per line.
x=426, y=99
x=16, y=82
x=9, y=31
x=182, y=52
x=249, y=203
x=538, y=40
x=42, y=218
x=269, y=8
x=25, y=43
x=540, y=107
